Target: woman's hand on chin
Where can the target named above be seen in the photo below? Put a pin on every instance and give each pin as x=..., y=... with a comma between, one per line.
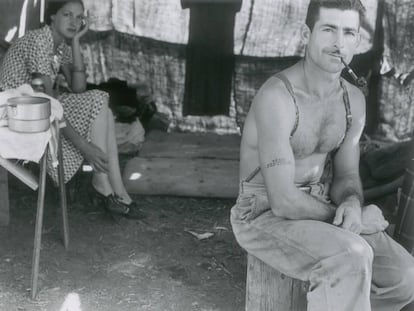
x=84, y=29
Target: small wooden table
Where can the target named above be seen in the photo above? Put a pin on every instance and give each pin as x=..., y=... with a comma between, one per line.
x=5, y=211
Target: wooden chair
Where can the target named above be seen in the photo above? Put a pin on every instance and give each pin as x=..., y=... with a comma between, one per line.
x=270, y=290
x=4, y=212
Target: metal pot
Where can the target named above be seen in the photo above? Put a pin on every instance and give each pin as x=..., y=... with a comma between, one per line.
x=28, y=114
x=28, y=108
x=29, y=126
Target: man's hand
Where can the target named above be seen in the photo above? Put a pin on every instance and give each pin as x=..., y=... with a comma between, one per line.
x=373, y=220
x=96, y=157
x=348, y=216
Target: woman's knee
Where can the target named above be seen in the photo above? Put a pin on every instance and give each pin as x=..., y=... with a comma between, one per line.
x=100, y=95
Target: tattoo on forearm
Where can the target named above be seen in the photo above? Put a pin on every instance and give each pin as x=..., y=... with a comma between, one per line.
x=278, y=162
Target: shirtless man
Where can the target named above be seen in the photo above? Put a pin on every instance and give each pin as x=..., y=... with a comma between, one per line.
x=300, y=206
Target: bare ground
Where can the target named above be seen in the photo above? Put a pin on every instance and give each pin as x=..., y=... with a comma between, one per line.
x=154, y=264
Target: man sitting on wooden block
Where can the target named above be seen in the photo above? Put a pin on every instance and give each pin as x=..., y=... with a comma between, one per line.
x=300, y=207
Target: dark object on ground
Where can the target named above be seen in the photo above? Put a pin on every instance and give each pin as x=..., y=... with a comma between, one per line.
x=382, y=169
x=388, y=162
x=128, y=102
x=404, y=230
x=159, y=121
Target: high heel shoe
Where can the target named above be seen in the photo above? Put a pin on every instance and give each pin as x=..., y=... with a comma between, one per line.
x=114, y=205
x=132, y=211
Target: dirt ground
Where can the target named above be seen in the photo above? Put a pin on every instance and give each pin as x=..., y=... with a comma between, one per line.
x=153, y=264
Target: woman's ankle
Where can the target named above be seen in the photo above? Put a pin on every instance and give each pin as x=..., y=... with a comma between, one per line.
x=101, y=190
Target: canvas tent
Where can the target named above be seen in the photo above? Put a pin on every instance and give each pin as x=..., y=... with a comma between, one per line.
x=146, y=41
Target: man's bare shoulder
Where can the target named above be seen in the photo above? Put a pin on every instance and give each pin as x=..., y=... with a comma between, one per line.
x=273, y=93
x=272, y=109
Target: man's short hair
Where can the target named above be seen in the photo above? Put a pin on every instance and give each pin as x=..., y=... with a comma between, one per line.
x=315, y=5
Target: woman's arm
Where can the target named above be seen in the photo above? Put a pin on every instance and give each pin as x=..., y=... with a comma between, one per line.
x=93, y=154
x=76, y=74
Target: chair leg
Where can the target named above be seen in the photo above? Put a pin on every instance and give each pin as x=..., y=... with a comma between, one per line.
x=4, y=198
x=39, y=225
x=62, y=196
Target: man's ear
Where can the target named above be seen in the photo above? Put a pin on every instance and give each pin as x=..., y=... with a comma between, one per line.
x=305, y=33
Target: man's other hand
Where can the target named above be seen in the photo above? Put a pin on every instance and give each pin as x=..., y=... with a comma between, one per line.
x=348, y=216
x=373, y=220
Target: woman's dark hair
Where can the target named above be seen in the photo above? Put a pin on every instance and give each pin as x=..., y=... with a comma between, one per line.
x=53, y=6
x=315, y=5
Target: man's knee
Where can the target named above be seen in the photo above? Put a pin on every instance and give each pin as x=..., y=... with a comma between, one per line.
x=359, y=255
x=406, y=287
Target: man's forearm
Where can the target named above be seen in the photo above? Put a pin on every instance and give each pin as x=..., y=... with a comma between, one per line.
x=78, y=77
x=299, y=205
x=347, y=188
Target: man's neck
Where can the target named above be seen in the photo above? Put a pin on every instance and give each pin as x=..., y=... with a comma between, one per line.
x=318, y=82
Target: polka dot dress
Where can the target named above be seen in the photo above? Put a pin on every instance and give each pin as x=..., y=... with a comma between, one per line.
x=33, y=53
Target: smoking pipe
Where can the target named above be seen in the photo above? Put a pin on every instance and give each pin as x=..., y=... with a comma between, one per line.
x=360, y=81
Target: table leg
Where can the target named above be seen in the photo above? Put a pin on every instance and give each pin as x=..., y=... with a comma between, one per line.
x=4, y=198
x=39, y=225
x=62, y=197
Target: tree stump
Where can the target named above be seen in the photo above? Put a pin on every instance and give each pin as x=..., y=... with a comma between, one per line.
x=269, y=290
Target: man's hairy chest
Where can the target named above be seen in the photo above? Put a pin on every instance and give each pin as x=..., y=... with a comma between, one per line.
x=321, y=128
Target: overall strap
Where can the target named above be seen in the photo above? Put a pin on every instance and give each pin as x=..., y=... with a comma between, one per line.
x=289, y=87
x=331, y=155
x=347, y=109
x=253, y=174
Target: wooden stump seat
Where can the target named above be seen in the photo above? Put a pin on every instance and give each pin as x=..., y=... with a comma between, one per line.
x=270, y=290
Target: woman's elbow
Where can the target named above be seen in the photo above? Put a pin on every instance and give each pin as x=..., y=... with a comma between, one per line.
x=79, y=89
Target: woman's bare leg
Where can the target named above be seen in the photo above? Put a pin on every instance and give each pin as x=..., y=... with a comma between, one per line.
x=99, y=136
x=115, y=177
x=103, y=136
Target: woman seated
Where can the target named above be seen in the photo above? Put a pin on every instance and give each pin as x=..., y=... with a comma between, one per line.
x=89, y=133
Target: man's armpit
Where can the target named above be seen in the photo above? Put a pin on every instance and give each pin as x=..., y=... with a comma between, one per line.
x=278, y=162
